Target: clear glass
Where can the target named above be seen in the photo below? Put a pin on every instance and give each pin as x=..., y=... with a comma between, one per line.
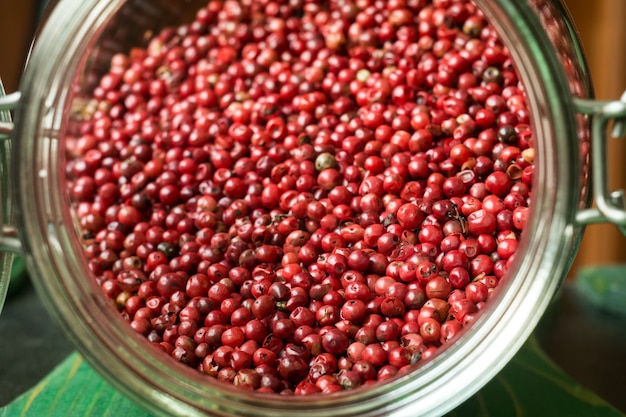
x=72, y=49
x=6, y=212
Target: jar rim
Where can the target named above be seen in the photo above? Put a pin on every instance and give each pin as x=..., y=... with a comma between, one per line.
x=60, y=53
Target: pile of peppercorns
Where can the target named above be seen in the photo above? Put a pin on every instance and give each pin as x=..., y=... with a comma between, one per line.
x=297, y=196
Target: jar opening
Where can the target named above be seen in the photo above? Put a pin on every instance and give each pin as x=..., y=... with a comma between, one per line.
x=302, y=193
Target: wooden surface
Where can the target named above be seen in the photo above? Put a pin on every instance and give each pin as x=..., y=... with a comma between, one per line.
x=16, y=26
x=603, y=33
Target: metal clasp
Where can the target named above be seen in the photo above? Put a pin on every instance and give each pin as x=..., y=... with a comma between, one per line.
x=7, y=103
x=9, y=241
x=610, y=206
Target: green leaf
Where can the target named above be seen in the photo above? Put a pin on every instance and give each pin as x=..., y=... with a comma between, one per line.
x=530, y=385
x=605, y=287
x=18, y=274
x=73, y=389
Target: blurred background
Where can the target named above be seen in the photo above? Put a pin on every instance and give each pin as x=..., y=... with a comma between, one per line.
x=602, y=31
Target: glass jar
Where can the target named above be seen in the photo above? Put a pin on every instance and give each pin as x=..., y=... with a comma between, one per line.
x=73, y=48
